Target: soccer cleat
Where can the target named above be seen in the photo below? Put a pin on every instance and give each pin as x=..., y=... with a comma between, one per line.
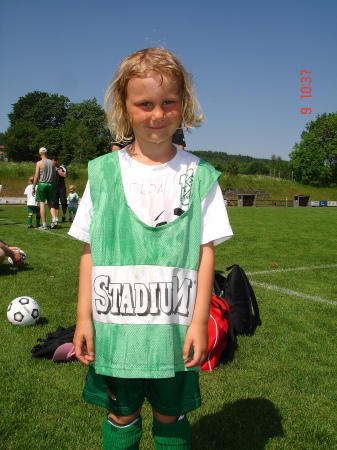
x=43, y=227
x=63, y=219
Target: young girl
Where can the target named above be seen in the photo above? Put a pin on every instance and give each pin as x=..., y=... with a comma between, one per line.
x=72, y=199
x=150, y=216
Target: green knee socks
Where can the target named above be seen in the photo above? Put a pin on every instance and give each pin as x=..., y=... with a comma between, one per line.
x=126, y=438
x=172, y=436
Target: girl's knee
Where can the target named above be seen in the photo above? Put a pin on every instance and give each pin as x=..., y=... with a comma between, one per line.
x=162, y=418
x=124, y=420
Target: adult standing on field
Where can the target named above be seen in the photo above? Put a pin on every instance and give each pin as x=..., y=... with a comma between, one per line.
x=44, y=179
x=60, y=195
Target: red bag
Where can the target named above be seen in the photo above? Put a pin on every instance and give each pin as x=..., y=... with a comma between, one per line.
x=217, y=332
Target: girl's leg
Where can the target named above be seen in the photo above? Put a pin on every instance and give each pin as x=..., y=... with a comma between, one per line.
x=122, y=432
x=171, y=433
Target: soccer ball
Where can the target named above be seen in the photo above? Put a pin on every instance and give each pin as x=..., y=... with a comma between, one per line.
x=23, y=311
x=23, y=257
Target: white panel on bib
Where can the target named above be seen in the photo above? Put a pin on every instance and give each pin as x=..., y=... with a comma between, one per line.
x=143, y=294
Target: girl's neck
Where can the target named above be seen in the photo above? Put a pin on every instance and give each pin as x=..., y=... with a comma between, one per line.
x=152, y=154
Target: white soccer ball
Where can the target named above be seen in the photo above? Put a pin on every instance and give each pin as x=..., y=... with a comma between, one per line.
x=23, y=257
x=23, y=311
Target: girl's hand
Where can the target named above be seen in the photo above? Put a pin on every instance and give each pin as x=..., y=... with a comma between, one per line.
x=84, y=341
x=196, y=337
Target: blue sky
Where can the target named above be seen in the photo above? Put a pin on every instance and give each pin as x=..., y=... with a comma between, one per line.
x=245, y=57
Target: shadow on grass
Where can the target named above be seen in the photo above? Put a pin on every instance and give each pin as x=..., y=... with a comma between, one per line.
x=7, y=269
x=246, y=424
x=42, y=321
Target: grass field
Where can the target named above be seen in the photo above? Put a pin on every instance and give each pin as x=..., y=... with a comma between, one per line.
x=278, y=390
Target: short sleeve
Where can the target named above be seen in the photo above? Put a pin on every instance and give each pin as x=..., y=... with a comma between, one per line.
x=215, y=222
x=81, y=224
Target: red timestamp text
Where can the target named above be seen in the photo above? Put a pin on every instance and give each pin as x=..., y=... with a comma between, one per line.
x=305, y=90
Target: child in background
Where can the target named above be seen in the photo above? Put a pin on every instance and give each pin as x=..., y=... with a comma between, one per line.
x=150, y=216
x=33, y=207
x=73, y=200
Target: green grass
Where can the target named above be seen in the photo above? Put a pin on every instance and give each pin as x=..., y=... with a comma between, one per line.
x=276, y=391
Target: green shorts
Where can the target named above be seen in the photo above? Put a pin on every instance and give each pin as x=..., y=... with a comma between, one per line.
x=124, y=396
x=45, y=191
x=33, y=209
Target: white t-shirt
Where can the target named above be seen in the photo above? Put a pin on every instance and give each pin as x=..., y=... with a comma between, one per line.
x=30, y=197
x=159, y=194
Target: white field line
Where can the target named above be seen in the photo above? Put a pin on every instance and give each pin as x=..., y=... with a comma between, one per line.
x=66, y=236
x=327, y=266
x=290, y=292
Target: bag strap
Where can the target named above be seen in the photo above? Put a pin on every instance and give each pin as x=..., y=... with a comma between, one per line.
x=254, y=301
x=219, y=290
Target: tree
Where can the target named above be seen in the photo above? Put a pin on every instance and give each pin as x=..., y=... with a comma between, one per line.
x=257, y=168
x=50, y=138
x=43, y=109
x=85, y=133
x=273, y=165
x=314, y=159
x=73, y=131
x=232, y=167
x=19, y=139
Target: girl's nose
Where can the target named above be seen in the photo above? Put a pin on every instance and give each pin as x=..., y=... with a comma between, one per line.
x=158, y=113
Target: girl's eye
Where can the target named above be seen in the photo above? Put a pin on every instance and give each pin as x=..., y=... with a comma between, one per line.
x=168, y=102
x=145, y=104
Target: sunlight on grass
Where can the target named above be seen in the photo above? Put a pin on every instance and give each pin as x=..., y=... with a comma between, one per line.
x=278, y=388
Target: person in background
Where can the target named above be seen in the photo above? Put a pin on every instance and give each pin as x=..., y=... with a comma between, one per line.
x=33, y=207
x=73, y=200
x=60, y=194
x=44, y=180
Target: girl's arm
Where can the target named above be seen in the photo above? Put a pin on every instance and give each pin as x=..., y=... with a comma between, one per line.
x=197, y=334
x=84, y=334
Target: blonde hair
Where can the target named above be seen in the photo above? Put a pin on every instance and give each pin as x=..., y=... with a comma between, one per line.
x=72, y=186
x=31, y=179
x=137, y=65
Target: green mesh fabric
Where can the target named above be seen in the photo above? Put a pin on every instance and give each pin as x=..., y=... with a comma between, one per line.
x=119, y=238
x=139, y=351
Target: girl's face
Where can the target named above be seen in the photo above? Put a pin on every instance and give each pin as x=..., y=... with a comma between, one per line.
x=154, y=107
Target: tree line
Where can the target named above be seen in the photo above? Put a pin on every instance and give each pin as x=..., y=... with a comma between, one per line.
x=78, y=132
